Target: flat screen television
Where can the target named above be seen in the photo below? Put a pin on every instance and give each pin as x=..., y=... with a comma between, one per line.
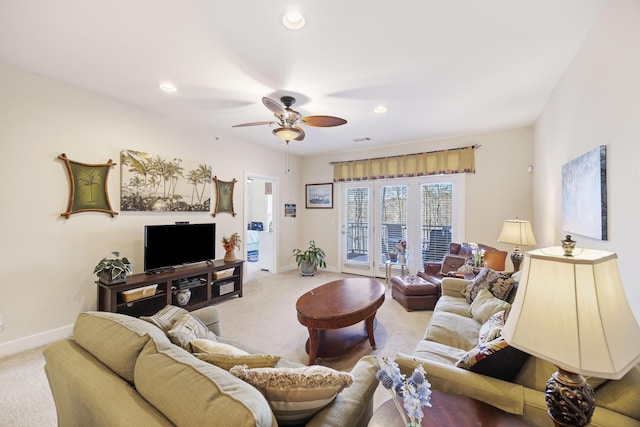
x=168, y=246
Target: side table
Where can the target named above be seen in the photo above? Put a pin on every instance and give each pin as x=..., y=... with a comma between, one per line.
x=448, y=410
x=389, y=266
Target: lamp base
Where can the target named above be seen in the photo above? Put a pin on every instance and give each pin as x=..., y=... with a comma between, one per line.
x=516, y=258
x=570, y=399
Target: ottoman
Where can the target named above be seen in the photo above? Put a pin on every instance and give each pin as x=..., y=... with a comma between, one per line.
x=414, y=293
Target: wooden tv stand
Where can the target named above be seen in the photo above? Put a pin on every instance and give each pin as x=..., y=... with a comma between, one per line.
x=205, y=288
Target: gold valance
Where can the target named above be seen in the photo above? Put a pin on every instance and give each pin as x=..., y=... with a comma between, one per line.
x=457, y=160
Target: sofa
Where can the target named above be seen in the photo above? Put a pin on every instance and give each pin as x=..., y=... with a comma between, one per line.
x=119, y=370
x=457, y=256
x=506, y=377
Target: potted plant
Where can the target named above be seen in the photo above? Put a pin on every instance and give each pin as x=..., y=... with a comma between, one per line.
x=113, y=270
x=310, y=259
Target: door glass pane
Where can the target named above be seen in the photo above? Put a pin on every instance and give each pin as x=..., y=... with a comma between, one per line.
x=437, y=219
x=358, y=224
x=393, y=218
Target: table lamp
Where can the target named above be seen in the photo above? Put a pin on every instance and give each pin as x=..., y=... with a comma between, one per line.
x=572, y=311
x=517, y=232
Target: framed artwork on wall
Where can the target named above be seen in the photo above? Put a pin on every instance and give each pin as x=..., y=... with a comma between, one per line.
x=319, y=196
x=224, y=199
x=584, y=194
x=87, y=187
x=158, y=184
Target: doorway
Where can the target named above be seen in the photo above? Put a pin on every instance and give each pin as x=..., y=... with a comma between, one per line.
x=260, y=244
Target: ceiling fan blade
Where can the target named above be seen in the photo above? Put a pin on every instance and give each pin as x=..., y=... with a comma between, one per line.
x=302, y=135
x=253, y=124
x=322, y=121
x=274, y=107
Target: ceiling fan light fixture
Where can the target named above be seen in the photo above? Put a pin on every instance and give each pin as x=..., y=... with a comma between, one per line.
x=293, y=20
x=288, y=134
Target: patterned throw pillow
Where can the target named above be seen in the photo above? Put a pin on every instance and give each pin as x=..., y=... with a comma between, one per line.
x=188, y=328
x=492, y=328
x=495, y=358
x=165, y=318
x=295, y=394
x=499, y=284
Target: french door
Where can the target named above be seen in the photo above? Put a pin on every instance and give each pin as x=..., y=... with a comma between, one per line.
x=427, y=213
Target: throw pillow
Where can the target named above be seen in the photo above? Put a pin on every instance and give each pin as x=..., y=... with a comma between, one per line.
x=201, y=345
x=188, y=328
x=295, y=394
x=499, y=284
x=228, y=361
x=496, y=359
x=486, y=305
x=492, y=328
x=165, y=318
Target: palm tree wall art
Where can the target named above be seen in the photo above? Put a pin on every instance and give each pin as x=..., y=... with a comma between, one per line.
x=87, y=187
x=154, y=183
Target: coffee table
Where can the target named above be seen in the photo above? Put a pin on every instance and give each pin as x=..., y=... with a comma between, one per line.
x=329, y=310
x=447, y=410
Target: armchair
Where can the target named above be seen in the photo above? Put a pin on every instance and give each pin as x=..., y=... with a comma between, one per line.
x=458, y=254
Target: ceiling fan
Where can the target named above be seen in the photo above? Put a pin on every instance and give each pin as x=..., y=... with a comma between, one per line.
x=288, y=120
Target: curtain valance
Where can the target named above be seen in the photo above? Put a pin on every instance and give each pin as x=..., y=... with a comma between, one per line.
x=457, y=160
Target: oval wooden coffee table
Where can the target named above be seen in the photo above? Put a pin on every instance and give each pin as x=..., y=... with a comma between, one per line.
x=328, y=310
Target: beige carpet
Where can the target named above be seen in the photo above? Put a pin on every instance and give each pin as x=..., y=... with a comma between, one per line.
x=265, y=318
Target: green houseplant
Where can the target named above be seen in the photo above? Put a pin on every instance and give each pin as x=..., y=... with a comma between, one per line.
x=113, y=270
x=310, y=259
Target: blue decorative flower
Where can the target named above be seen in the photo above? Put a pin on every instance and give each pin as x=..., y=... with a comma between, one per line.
x=415, y=391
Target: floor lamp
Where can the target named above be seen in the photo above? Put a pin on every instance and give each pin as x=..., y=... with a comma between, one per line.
x=519, y=233
x=571, y=310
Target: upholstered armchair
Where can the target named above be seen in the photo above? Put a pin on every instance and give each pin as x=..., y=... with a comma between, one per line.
x=458, y=254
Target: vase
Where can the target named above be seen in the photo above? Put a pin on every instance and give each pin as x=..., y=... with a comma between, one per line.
x=183, y=296
x=229, y=256
x=402, y=259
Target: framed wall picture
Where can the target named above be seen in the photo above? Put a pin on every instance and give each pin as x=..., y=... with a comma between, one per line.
x=290, y=210
x=162, y=184
x=584, y=194
x=319, y=196
x=224, y=196
x=87, y=187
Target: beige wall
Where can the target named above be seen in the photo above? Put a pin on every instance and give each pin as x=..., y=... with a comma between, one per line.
x=500, y=189
x=47, y=261
x=597, y=103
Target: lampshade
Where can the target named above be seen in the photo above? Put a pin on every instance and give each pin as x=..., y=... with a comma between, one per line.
x=517, y=232
x=573, y=312
x=288, y=134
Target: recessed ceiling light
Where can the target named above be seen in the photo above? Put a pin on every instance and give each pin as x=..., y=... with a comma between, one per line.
x=167, y=87
x=293, y=20
x=380, y=109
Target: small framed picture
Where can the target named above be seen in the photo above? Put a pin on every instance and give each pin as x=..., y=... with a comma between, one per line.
x=88, y=187
x=224, y=199
x=319, y=196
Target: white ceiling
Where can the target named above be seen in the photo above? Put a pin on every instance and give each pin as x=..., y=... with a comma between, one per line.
x=441, y=67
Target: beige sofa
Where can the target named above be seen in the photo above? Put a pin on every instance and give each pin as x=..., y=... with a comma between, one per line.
x=452, y=332
x=124, y=371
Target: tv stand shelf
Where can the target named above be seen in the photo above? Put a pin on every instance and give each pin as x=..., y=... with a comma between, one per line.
x=203, y=294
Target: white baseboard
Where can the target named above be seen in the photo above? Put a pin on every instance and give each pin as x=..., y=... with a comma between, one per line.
x=33, y=341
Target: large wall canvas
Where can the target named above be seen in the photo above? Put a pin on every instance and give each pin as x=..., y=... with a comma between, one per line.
x=584, y=194
x=155, y=183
